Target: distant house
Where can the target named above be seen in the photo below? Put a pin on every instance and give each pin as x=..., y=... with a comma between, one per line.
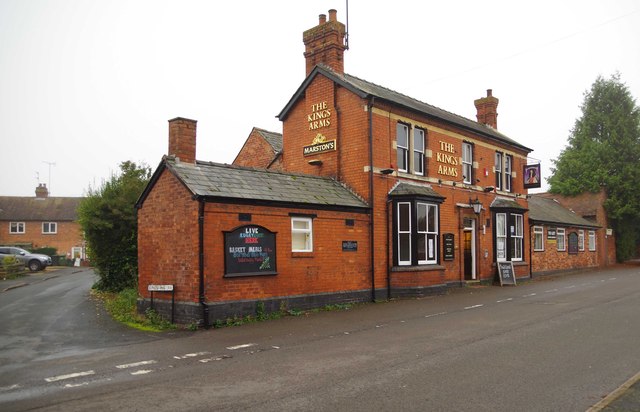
x=262, y=149
x=42, y=221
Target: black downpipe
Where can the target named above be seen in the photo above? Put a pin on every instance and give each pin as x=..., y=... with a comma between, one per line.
x=201, y=297
x=371, y=200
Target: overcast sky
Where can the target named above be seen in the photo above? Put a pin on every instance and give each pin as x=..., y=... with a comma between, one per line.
x=85, y=85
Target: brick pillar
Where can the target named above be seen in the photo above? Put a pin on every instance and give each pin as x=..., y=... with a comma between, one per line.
x=182, y=139
x=487, y=108
x=325, y=43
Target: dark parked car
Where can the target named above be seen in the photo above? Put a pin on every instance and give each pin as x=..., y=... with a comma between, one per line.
x=34, y=261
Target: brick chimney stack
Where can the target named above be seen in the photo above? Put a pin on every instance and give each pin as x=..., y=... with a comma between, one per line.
x=487, y=108
x=325, y=43
x=182, y=139
x=41, y=191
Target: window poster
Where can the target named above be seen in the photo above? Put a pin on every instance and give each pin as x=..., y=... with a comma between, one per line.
x=249, y=250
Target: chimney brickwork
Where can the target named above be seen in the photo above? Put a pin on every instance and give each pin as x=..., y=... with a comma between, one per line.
x=487, y=110
x=41, y=191
x=325, y=43
x=182, y=139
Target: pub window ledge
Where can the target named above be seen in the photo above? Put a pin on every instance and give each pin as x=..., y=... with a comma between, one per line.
x=250, y=274
x=303, y=254
x=420, y=268
x=515, y=263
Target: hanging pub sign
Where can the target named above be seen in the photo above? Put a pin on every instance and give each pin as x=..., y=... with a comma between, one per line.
x=248, y=251
x=532, y=176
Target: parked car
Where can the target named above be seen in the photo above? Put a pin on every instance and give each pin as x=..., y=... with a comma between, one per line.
x=34, y=261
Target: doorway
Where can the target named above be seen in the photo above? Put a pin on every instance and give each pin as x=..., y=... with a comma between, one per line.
x=469, y=254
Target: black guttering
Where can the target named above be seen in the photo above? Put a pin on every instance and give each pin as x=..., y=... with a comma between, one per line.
x=371, y=203
x=201, y=295
x=535, y=222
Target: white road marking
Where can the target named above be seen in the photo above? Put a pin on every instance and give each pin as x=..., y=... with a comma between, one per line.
x=192, y=355
x=275, y=347
x=570, y=287
x=142, y=372
x=436, y=314
x=245, y=345
x=215, y=358
x=551, y=290
x=473, y=307
x=504, y=300
x=613, y=278
x=136, y=364
x=8, y=388
x=75, y=385
x=529, y=295
x=69, y=376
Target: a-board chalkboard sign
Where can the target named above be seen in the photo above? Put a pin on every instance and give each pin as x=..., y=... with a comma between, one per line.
x=506, y=273
x=448, y=246
x=248, y=251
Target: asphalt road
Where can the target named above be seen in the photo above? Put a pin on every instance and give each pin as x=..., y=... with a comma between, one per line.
x=560, y=344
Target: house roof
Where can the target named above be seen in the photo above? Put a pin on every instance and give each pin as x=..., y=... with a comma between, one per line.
x=413, y=189
x=505, y=203
x=544, y=210
x=274, y=139
x=214, y=181
x=55, y=209
x=365, y=89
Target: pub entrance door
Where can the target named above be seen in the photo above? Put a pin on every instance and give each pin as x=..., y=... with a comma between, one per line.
x=469, y=240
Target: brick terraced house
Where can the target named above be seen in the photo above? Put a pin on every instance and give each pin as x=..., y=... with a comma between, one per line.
x=376, y=195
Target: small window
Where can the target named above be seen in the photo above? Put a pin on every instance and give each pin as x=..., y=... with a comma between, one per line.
x=501, y=237
x=581, y=240
x=49, y=228
x=418, y=151
x=467, y=163
x=592, y=240
x=404, y=234
x=561, y=239
x=517, y=237
x=301, y=234
x=16, y=227
x=538, y=239
x=498, y=167
x=402, y=144
x=508, y=160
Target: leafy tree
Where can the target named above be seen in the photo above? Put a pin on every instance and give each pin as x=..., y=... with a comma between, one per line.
x=604, y=151
x=108, y=218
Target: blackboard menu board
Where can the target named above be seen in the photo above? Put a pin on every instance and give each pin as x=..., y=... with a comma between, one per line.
x=248, y=251
x=506, y=273
x=573, y=243
x=448, y=246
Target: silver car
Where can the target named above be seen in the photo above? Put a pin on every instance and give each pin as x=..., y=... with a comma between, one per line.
x=34, y=261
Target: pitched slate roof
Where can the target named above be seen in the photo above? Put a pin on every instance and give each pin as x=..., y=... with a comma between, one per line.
x=365, y=89
x=55, y=209
x=274, y=139
x=413, y=189
x=544, y=210
x=504, y=203
x=214, y=181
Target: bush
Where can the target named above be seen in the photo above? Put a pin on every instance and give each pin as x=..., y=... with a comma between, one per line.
x=11, y=267
x=49, y=251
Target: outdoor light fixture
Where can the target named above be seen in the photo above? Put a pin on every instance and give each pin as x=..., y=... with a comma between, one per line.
x=315, y=162
x=386, y=171
x=489, y=189
x=476, y=205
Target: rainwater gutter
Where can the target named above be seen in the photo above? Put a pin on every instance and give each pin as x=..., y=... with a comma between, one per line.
x=371, y=201
x=201, y=296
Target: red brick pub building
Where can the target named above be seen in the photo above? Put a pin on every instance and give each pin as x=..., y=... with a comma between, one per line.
x=369, y=195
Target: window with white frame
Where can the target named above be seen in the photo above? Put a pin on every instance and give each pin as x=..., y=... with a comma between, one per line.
x=49, y=228
x=402, y=146
x=581, y=240
x=301, y=234
x=498, y=167
x=508, y=160
x=16, y=227
x=418, y=151
x=592, y=240
x=467, y=163
x=517, y=237
x=561, y=238
x=416, y=233
x=509, y=237
x=501, y=237
x=538, y=239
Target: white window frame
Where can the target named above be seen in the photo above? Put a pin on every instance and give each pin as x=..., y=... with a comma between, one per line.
x=501, y=236
x=498, y=167
x=508, y=168
x=562, y=244
x=429, y=232
x=467, y=163
x=517, y=238
x=581, y=240
x=307, y=231
x=17, y=228
x=592, y=240
x=403, y=150
x=538, y=233
x=418, y=153
x=404, y=232
x=49, y=228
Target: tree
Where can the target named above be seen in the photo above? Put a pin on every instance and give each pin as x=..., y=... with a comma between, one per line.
x=108, y=218
x=603, y=151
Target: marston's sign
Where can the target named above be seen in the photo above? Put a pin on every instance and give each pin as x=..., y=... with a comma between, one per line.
x=320, y=144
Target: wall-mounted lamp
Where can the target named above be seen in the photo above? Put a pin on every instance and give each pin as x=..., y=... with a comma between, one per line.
x=489, y=189
x=315, y=162
x=386, y=171
x=476, y=205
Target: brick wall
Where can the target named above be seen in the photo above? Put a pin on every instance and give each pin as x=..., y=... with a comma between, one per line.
x=257, y=153
x=68, y=235
x=553, y=260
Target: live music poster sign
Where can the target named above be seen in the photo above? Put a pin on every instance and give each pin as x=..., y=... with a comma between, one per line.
x=249, y=251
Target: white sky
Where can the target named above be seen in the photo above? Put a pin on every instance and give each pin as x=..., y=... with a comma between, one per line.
x=88, y=84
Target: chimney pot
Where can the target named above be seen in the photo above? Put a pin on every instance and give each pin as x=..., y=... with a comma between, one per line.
x=323, y=18
x=489, y=92
x=41, y=191
x=333, y=15
x=324, y=44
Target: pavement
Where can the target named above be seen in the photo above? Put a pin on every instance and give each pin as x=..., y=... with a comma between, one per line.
x=625, y=398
